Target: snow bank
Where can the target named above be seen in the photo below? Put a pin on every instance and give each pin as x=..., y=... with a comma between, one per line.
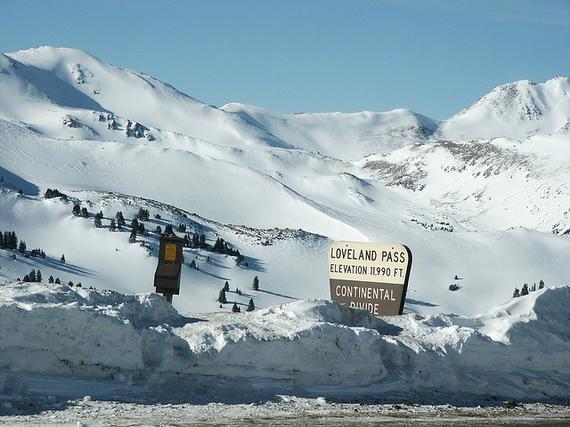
x=518, y=350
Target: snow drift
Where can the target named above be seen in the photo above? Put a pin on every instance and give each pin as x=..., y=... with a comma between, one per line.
x=517, y=350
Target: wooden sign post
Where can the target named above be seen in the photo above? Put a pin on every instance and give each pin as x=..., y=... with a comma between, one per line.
x=370, y=276
x=167, y=275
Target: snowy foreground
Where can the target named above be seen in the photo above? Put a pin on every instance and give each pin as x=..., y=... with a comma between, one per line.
x=58, y=343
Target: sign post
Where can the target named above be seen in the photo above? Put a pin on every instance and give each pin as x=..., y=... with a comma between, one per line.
x=370, y=276
x=167, y=275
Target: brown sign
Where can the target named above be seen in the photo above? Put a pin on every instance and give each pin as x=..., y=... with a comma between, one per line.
x=167, y=275
x=370, y=276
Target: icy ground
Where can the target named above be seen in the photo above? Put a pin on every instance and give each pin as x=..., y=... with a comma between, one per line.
x=59, y=343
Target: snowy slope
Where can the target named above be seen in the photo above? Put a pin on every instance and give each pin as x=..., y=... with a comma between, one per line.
x=348, y=136
x=514, y=110
x=494, y=211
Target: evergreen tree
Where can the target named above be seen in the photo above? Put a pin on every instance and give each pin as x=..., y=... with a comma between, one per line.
x=168, y=231
x=27, y=278
x=251, y=305
x=62, y=259
x=76, y=210
x=158, y=229
x=70, y=284
x=239, y=258
x=516, y=293
x=222, y=296
x=235, y=308
x=22, y=247
x=182, y=228
x=113, y=225
x=135, y=224
x=12, y=240
x=84, y=212
x=255, y=285
x=193, y=265
x=50, y=280
x=141, y=230
x=524, y=290
x=226, y=286
x=195, y=240
x=39, y=276
x=143, y=214
x=541, y=284
x=120, y=220
x=57, y=281
x=202, y=239
x=99, y=215
x=32, y=276
x=98, y=222
x=133, y=236
x=186, y=241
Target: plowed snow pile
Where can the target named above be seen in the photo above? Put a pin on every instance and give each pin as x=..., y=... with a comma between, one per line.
x=518, y=350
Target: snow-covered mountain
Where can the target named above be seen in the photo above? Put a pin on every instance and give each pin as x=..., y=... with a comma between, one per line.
x=484, y=194
x=514, y=110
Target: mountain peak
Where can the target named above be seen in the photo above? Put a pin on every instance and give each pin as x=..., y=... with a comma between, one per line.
x=515, y=110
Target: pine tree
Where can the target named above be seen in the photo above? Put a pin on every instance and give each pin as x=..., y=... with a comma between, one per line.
x=222, y=296
x=62, y=259
x=251, y=305
x=99, y=215
x=193, y=264
x=524, y=290
x=235, y=308
x=98, y=222
x=516, y=293
x=50, y=280
x=158, y=229
x=141, y=230
x=12, y=240
x=113, y=225
x=22, y=247
x=32, y=276
x=84, y=212
x=182, y=228
x=120, y=220
x=39, y=276
x=70, y=284
x=27, y=278
x=541, y=284
x=57, y=281
x=186, y=241
x=133, y=236
x=239, y=258
x=168, y=231
x=255, y=285
x=76, y=210
x=202, y=239
x=226, y=286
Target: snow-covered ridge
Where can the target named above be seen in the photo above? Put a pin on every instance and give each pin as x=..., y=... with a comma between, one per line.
x=48, y=88
x=55, y=330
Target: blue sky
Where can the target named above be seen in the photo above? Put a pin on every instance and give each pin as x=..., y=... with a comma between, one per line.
x=434, y=57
